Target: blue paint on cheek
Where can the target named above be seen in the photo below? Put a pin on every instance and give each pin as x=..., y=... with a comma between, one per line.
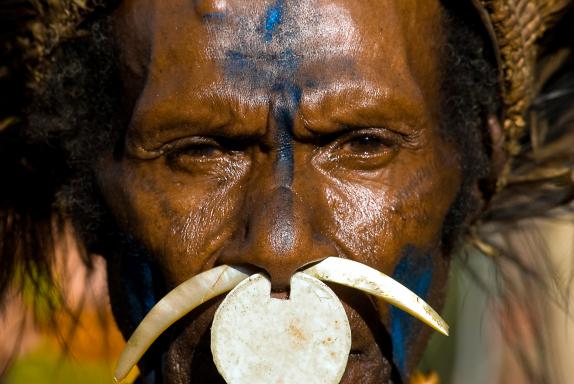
x=138, y=279
x=414, y=270
x=141, y=282
x=273, y=18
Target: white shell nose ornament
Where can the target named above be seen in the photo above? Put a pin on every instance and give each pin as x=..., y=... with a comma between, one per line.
x=258, y=339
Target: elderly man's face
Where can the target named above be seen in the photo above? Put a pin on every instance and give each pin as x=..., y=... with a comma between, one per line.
x=276, y=133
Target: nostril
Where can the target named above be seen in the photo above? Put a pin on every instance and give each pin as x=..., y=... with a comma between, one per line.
x=247, y=267
x=280, y=282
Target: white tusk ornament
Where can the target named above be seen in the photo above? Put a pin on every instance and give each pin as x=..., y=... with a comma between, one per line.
x=362, y=277
x=258, y=339
x=172, y=307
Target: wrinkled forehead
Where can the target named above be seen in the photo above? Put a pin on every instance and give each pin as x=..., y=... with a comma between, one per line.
x=255, y=45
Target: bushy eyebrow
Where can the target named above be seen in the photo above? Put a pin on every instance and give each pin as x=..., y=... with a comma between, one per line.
x=321, y=110
x=210, y=112
x=364, y=105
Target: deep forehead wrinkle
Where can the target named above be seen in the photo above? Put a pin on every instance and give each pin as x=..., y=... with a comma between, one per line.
x=162, y=117
x=314, y=49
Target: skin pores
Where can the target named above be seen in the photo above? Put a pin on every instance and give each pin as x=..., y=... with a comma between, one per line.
x=277, y=133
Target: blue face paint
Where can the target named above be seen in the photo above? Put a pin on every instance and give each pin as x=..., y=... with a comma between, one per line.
x=213, y=16
x=284, y=111
x=414, y=271
x=260, y=63
x=289, y=97
x=263, y=71
x=140, y=291
x=273, y=18
x=263, y=55
x=139, y=285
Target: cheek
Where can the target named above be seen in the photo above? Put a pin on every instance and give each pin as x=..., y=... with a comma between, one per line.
x=360, y=216
x=426, y=274
x=415, y=270
x=393, y=222
x=376, y=219
x=179, y=219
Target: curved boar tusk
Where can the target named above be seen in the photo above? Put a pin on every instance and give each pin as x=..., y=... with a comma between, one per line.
x=359, y=276
x=172, y=307
x=207, y=285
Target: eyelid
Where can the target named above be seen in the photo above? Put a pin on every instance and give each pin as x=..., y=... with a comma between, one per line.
x=376, y=132
x=139, y=151
x=185, y=142
x=186, y=154
x=334, y=156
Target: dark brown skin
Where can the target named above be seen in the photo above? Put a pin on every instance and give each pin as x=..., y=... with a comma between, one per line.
x=275, y=134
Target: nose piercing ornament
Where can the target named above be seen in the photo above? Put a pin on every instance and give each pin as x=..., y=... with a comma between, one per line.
x=255, y=325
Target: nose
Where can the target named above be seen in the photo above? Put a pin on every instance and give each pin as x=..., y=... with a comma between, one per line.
x=280, y=235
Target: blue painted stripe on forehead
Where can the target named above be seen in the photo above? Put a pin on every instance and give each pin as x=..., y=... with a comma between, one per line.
x=284, y=113
x=273, y=68
x=273, y=18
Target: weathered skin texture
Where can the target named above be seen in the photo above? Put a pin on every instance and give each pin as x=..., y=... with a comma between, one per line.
x=274, y=134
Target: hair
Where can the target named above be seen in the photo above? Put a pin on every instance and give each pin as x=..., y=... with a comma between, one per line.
x=525, y=284
x=74, y=109
x=470, y=94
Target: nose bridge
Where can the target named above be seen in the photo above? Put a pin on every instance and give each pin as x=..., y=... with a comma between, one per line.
x=282, y=235
x=273, y=226
x=278, y=235
x=279, y=232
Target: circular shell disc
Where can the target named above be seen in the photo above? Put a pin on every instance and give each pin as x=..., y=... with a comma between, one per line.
x=259, y=339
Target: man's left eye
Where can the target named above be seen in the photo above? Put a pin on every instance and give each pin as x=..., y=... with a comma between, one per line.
x=365, y=149
x=366, y=145
x=368, y=142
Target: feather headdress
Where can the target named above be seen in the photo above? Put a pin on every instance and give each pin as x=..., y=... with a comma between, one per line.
x=538, y=173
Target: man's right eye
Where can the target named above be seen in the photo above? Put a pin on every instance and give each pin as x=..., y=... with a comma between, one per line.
x=194, y=153
x=201, y=150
